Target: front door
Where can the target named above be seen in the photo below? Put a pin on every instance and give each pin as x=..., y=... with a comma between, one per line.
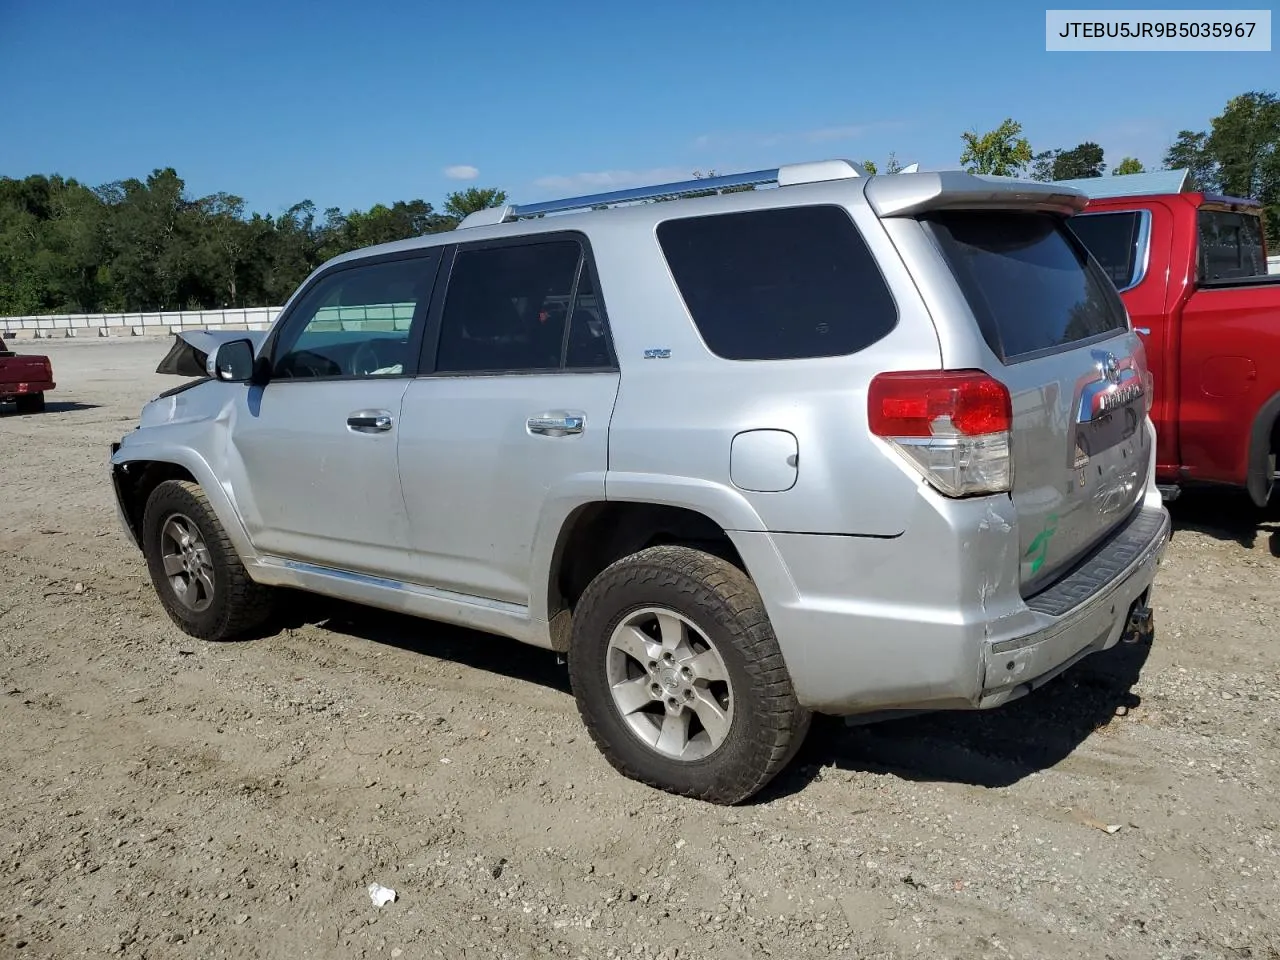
x=314, y=450
x=510, y=430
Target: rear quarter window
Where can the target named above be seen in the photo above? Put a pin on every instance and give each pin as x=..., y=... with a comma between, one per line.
x=786, y=284
x=1028, y=280
x=1118, y=241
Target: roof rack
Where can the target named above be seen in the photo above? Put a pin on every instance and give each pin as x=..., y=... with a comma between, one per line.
x=782, y=176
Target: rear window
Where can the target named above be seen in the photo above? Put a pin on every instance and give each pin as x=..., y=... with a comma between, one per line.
x=1028, y=280
x=1230, y=245
x=1117, y=241
x=779, y=284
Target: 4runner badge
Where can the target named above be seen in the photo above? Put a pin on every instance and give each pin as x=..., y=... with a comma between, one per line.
x=657, y=353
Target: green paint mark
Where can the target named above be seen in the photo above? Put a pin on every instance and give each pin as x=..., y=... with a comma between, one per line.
x=1039, y=548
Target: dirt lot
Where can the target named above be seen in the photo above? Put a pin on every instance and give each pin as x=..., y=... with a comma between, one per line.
x=165, y=798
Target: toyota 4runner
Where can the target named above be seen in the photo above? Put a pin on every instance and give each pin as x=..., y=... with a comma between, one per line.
x=836, y=443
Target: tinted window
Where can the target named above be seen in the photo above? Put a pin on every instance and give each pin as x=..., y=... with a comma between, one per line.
x=356, y=322
x=1113, y=238
x=506, y=307
x=779, y=284
x=1230, y=245
x=588, y=345
x=1027, y=279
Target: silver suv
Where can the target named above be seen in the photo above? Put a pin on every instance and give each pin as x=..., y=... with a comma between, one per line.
x=834, y=443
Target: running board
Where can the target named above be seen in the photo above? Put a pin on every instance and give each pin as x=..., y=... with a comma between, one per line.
x=1169, y=492
x=445, y=606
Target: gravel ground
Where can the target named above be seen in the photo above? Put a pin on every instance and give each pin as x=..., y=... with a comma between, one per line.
x=167, y=798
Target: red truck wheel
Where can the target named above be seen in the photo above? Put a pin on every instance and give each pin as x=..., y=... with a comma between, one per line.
x=31, y=403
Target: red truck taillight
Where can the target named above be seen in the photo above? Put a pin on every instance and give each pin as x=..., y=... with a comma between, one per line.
x=951, y=425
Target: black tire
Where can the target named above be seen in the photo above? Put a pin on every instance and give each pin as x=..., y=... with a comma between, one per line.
x=238, y=605
x=768, y=725
x=31, y=403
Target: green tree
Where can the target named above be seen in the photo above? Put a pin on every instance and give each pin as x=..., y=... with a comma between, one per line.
x=1126, y=166
x=891, y=166
x=1002, y=152
x=1244, y=142
x=1239, y=155
x=1190, y=151
x=1042, y=164
x=146, y=245
x=462, y=203
x=1080, y=162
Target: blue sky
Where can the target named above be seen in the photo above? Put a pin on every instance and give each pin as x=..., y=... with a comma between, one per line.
x=352, y=103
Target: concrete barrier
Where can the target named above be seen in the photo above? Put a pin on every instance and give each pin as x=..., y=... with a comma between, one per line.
x=159, y=324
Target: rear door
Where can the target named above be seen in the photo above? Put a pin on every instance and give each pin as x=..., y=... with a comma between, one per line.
x=509, y=431
x=1077, y=375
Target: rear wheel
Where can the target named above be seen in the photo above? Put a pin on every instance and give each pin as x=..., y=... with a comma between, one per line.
x=679, y=679
x=196, y=572
x=31, y=403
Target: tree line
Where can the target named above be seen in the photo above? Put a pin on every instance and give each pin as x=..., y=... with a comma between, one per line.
x=143, y=245
x=1238, y=156
x=139, y=245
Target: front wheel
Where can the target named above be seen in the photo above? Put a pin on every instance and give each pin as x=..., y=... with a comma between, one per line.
x=679, y=678
x=196, y=572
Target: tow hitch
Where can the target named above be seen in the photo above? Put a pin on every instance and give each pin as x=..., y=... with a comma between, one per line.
x=1141, y=626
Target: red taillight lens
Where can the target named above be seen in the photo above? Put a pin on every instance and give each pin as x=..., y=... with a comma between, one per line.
x=966, y=403
x=953, y=426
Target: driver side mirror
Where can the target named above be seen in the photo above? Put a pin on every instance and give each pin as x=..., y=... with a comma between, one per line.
x=233, y=362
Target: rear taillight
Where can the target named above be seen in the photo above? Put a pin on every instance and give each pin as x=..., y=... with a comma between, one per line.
x=951, y=425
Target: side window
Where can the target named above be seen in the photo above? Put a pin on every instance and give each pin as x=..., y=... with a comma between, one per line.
x=782, y=284
x=1117, y=241
x=1230, y=245
x=507, y=307
x=589, y=345
x=356, y=322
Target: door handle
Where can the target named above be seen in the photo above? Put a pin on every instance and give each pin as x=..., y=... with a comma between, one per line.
x=369, y=422
x=1145, y=331
x=555, y=426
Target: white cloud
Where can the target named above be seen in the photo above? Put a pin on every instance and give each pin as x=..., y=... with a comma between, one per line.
x=461, y=171
x=604, y=180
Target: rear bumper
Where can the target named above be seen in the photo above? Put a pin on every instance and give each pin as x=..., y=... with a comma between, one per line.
x=934, y=619
x=22, y=388
x=1088, y=611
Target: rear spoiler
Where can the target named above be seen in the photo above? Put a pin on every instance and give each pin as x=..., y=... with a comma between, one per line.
x=956, y=190
x=191, y=350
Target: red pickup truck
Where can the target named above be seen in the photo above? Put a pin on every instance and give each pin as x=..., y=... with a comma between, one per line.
x=24, y=379
x=1192, y=271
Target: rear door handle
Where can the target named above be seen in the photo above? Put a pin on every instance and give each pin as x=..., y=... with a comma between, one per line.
x=1145, y=331
x=370, y=421
x=556, y=425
